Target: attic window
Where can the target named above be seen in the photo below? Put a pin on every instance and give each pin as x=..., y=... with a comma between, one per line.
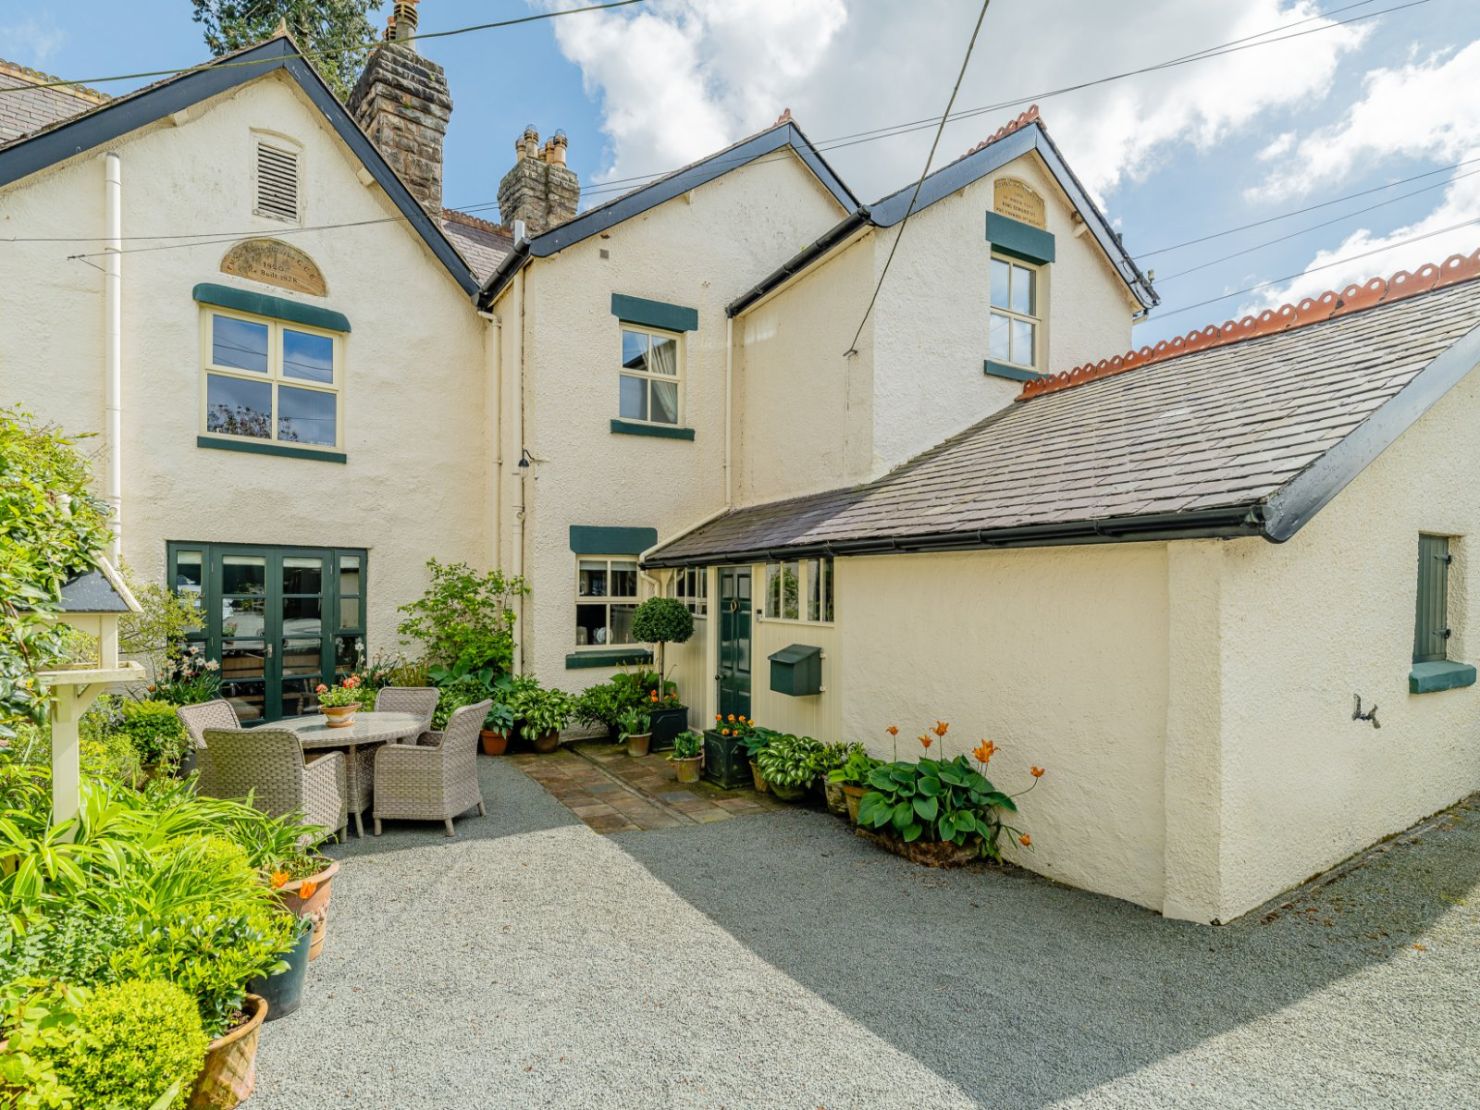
x=277, y=183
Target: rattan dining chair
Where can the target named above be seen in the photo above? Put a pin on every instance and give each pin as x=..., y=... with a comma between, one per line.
x=436, y=781
x=196, y=719
x=268, y=764
x=420, y=701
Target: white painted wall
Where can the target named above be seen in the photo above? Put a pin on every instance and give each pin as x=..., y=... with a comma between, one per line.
x=414, y=396
x=1058, y=655
x=700, y=250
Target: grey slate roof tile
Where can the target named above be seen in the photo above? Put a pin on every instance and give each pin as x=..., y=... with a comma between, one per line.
x=1225, y=427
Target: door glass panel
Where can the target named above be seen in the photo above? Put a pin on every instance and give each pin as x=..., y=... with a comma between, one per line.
x=243, y=574
x=349, y=612
x=348, y=652
x=306, y=356
x=349, y=574
x=235, y=407
x=190, y=577
x=303, y=576
x=299, y=698
x=243, y=668
x=240, y=344
x=302, y=635
x=243, y=618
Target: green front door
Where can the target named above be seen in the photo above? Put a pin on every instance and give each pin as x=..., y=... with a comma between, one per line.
x=278, y=620
x=734, y=641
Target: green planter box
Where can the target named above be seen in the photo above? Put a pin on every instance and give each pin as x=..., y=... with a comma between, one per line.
x=725, y=762
x=666, y=724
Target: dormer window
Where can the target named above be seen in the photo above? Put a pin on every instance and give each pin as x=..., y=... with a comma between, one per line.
x=1013, y=338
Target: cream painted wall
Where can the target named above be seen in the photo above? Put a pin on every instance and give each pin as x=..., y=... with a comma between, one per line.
x=414, y=395
x=1059, y=655
x=700, y=250
x=1330, y=614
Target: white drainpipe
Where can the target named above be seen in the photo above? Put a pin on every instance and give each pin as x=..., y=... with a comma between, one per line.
x=521, y=471
x=113, y=345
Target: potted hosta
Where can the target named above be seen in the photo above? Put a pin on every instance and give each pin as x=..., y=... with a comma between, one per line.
x=830, y=759
x=851, y=778
x=661, y=621
x=726, y=755
x=541, y=714
x=340, y=702
x=789, y=766
x=687, y=755
x=755, y=740
x=498, y=726
x=635, y=730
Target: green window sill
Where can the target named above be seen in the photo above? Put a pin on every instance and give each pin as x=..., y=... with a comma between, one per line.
x=662, y=431
x=611, y=657
x=1012, y=373
x=1427, y=678
x=266, y=447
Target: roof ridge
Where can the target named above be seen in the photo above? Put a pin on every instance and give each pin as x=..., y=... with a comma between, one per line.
x=61, y=84
x=469, y=220
x=1329, y=305
x=1031, y=115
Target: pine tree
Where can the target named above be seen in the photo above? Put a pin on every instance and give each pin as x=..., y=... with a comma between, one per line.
x=336, y=34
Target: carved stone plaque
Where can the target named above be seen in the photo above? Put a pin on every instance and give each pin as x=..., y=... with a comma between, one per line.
x=277, y=263
x=1012, y=198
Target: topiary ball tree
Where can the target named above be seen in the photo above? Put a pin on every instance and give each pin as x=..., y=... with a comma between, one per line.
x=662, y=620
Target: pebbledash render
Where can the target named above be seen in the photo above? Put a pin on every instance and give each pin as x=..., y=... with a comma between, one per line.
x=1179, y=578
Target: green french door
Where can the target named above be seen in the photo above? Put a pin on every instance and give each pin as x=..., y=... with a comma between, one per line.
x=277, y=620
x=734, y=641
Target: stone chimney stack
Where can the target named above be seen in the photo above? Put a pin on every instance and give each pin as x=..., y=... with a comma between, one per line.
x=540, y=190
x=402, y=102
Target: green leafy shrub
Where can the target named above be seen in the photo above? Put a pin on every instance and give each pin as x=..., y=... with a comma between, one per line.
x=154, y=731
x=133, y=1042
x=856, y=767
x=604, y=703
x=39, y=1019
x=662, y=621
x=834, y=756
x=187, y=678
x=687, y=745
x=103, y=753
x=937, y=800
x=635, y=721
x=540, y=710
x=464, y=618
x=155, y=636
x=789, y=761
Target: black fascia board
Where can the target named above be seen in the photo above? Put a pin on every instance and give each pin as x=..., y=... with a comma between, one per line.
x=1299, y=499
x=129, y=113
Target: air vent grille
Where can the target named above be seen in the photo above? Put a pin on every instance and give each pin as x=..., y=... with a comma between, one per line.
x=277, y=182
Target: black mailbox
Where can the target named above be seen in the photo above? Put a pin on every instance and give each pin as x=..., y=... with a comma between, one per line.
x=797, y=670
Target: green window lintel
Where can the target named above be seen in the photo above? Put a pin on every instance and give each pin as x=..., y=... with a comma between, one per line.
x=1012, y=373
x=1019, y=240
x=278, y=308
x=613, y=657
x=1427, y=678
x=268, y=447
x=654, y=314
x=661, y=431
x=591, y=539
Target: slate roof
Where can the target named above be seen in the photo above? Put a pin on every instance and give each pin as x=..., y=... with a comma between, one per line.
x=482, y=243
x=25, y=112
x=1248, y=438
x=99, y=590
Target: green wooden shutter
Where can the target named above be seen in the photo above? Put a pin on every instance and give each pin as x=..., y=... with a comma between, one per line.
x=1431, y=623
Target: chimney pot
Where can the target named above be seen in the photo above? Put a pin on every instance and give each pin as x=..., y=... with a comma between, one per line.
x=540, y=190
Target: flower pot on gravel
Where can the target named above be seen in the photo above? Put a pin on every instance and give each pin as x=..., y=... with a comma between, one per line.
x=546, y=742
x=283, y=991
x=230, y=1071
x=638, y=745
x=758, y=778
x=687, y=770
x=493, y=741
x=852, y=795
x=837, y=804
x=309, y=897
x=789, y=793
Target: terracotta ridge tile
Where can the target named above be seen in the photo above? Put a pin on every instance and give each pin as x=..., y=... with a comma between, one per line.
x=1312, y=310
x=36, y=77
x=1027, y=117
x=469, y=220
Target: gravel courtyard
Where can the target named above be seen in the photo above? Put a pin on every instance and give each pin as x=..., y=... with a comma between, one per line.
x=778, y=961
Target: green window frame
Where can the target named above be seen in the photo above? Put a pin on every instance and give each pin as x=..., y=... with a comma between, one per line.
x=1431, y=631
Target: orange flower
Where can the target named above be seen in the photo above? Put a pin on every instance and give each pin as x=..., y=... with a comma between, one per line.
x=1025, y=840
x=984, y=752
x=278, y=879
x=892, y=730
x=717, y=718
x=940, y=729
x=1037, y=772
x=654, y=696
x=927, y=740
x=321, y=689
x=306, y=889
x=724, y=732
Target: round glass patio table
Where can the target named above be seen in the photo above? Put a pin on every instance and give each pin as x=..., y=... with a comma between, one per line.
x=367, y=731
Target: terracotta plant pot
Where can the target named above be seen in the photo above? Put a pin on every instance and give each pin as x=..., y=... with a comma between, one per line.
x=637, y=746
x=788, y=793
x=687, y=770
x=929, y=853
x=230, y=1071
x=761, y=786
x=494, y=743
x=340, y=716
x=833, y=792
x=546, y=743
x=853, y=795
x=315, y=905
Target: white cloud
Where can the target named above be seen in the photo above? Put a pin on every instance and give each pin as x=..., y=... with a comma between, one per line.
x=32, y=41
x=1278, y=147
x=1426, y=110
x=686, y=76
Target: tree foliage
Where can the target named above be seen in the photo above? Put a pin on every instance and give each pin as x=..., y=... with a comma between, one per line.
x=336, y=34
x=465, y=620
x=51, y=528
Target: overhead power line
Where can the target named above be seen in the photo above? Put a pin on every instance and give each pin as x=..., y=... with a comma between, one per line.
x=309, y=56
x=924, y=173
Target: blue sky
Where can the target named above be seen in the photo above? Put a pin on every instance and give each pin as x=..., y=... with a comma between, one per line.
x=1172, y=155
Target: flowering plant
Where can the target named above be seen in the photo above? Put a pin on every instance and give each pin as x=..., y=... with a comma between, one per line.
x=187, y=678
x=341, y=694
x=744, y=729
